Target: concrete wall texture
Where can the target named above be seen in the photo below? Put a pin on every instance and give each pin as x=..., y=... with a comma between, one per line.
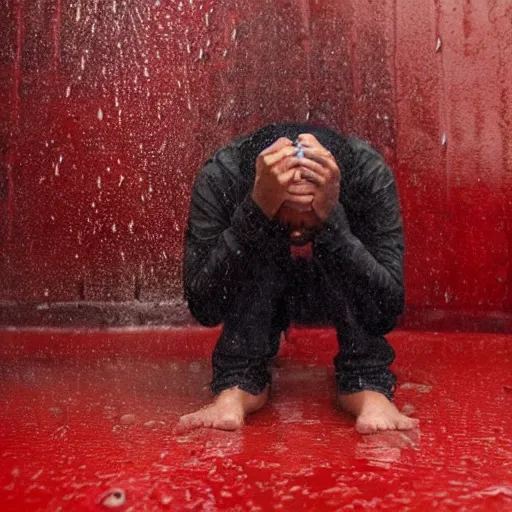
x=109, y=107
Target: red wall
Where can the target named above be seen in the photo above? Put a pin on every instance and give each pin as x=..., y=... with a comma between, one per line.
x=109, y=108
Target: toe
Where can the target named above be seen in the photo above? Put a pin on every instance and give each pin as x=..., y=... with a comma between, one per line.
x=364, y=426
x=189, y=422
x=405, y=423
x=229, y=422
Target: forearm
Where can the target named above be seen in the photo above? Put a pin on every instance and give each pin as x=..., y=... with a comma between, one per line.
x=372, y=282
x=214, y=268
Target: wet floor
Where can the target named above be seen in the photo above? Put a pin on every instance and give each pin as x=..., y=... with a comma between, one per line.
x=97, y=433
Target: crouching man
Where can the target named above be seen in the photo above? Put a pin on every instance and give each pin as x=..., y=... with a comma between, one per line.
x=296, y=223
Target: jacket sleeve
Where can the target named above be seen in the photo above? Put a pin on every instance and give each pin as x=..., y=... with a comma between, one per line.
x=220, y=245
x=365, y=264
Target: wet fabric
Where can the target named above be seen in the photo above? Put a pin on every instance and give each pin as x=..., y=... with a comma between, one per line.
x=238, y=270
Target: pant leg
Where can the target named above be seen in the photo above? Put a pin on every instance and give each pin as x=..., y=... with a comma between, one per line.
x=363, y=359
x=251, y=331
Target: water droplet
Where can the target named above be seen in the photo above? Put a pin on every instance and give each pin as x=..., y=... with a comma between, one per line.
x=113, y=498
x=128, y=419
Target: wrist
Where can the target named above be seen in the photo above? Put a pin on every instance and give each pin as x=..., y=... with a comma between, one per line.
x=325, y=212
x=263, y=205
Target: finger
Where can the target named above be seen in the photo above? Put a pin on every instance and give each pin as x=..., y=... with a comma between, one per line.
x=320, y=155
x=297, y=206
x=307, y=139
x=324, y=158
x=311, y=165
x=299, y=200
x=277, y=146
x=272, y=158
x=303, y=188
x=313, y=177
x=290, y=161
x=311, y=142
x=286, y=165
x=285, y=178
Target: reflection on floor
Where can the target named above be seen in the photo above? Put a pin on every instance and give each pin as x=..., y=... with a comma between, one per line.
x=95, y=433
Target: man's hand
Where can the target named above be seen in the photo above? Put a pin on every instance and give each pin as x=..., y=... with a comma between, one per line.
x=320, y=175
x=276, y=169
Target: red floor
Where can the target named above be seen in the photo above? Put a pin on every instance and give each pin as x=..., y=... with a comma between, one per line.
x=98, y=415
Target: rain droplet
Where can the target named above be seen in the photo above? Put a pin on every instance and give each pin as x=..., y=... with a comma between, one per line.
x=113, y=498
x=128, y=419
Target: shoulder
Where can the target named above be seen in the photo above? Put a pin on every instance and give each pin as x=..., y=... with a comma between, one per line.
x=221, y=169
x=367, y=168
x=226, y=161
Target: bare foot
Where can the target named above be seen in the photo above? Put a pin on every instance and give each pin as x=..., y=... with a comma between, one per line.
x=374, y=412
x=227, y=412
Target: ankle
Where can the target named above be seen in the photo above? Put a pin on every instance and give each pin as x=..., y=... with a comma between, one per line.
x=238, y=398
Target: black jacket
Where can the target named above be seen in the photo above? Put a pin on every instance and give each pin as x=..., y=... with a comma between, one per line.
x=360, y=247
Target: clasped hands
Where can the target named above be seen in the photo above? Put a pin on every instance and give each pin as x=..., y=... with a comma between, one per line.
x=309, y=183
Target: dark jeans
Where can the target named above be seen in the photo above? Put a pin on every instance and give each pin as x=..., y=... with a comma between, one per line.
x=263, y=307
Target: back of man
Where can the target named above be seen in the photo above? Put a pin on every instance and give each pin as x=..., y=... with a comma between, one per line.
x=253, y=203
